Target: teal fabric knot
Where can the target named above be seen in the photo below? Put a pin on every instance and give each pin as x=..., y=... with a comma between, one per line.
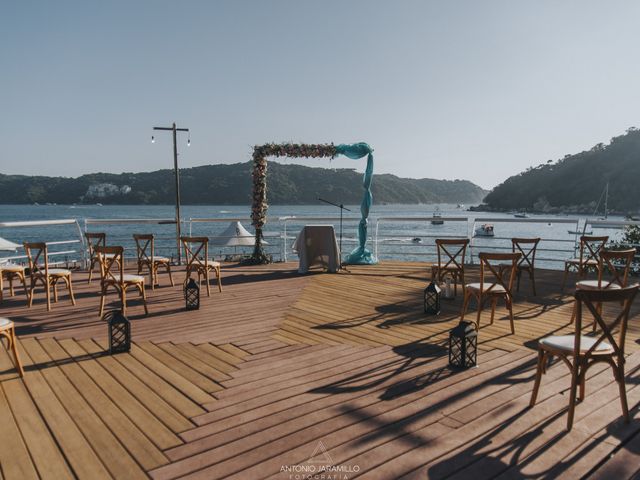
x=361, y=255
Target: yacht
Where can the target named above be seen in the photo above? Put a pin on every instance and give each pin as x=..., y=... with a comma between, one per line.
x=484, y=230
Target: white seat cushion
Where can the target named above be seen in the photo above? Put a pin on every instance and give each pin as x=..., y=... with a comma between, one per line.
x=5, y=322
x=585, y=262
x=9, y=267
x=58, y=272
x=593, y=285
x=161, y=259
x=211, y=263
x=566, y=343
x=129, y=278
x=485, y=287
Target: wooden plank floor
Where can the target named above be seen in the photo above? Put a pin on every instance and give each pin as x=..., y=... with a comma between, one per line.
x=283, y=375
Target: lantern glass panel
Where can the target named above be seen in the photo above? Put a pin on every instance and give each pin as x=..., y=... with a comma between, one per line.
x=432, y=299
x=463, y=345
x=192, y=295
x=119, y=332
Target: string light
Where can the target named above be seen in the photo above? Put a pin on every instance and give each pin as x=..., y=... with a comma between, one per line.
x=189, y=139
x=153, y=139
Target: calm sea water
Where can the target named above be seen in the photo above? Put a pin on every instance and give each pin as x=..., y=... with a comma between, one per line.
x=397, y=237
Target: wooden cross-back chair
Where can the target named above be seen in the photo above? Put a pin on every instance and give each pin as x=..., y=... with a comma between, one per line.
x=589, y=250
x=112, y=274
x=8, y=331
x=527, y=247
x=196, y=252
x=145, y=249
x=39, y=272
x=615, y=263
x=451, y=256
x=12, y=272
x=94, y=239
x=579, y=352
x=497, y=271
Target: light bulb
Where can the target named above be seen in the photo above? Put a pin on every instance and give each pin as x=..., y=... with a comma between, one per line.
x=153, y=139
x=189, y=143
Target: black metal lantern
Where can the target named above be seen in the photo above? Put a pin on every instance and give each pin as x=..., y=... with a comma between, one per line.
x=432, y=299
x=463, y=345
x=119, y=332
x=191, y=295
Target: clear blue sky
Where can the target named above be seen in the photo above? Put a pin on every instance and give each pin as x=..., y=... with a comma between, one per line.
x=452, y=89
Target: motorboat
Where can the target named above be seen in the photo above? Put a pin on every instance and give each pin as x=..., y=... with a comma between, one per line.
x=416, y=240
x=436, y=219
x=484, y=230
x=521, y=215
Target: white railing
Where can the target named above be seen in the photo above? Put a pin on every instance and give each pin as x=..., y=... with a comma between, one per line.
x=70, y=254
x=399, y=237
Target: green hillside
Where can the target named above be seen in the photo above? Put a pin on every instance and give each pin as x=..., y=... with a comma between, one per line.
x=576, y=182
x=231, y=185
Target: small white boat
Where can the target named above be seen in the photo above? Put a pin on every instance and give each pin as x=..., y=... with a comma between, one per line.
x=416, y=240
x=436, y=219
x=521, y=215
x=484, y=230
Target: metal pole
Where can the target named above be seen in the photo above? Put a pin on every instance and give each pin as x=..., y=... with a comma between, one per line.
x=177, y=174
x=174, y=129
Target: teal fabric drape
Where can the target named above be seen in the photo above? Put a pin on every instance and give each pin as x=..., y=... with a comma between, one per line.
x=361, y=255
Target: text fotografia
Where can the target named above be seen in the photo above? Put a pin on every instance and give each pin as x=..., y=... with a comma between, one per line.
x=319, y=472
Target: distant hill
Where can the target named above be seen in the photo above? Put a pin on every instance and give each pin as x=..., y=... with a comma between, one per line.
x=231, y=185
x=575, y=183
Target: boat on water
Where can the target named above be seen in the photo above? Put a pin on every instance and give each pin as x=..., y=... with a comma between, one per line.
x=521, y=215
x=601, y=222
x=484, y=230
x=436, y=218
x=416, y=240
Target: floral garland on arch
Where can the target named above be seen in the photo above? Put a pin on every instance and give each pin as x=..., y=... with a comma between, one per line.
x=259, y=201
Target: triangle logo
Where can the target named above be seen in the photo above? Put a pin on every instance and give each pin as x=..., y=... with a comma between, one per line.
x=320, y=455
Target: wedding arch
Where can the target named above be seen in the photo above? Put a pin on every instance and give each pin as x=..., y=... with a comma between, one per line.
x=361, y=255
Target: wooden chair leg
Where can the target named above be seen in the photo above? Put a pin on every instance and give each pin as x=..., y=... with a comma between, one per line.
x=11, y=285
x=564, y=277
x=30, y=294
x=14, y=349
x=70, y=286
x=518, y=275
x=144, y=299
x=219, y=275
x=103, y=294
x=465, y=305
x=494, y=302
x=572, y=394
x=536, y=383
x=480, y=303
x=91, y=265
x=123, y=300
x=24, y=285
x=48, y=288
x=206, y=280
x=533, y=282
x=510, y=307
x=54, y=285
x=169, y=272
x=623, y=392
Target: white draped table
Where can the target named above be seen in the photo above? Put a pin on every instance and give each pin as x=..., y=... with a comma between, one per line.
x=317, y=245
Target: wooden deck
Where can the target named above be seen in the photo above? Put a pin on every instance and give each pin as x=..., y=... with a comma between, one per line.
x=282, y=375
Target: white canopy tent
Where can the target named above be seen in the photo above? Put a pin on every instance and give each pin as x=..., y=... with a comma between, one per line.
x=8, y=246
x=235, y=235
